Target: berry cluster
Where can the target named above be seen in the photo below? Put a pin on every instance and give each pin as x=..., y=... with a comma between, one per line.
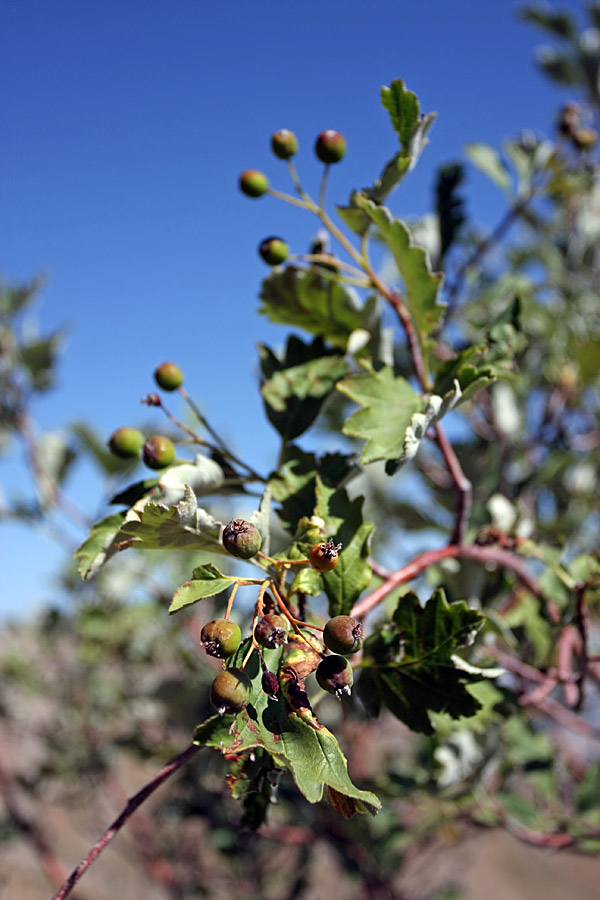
x=330, y=148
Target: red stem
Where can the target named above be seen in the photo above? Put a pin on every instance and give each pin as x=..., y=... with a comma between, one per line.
x=467, y=551
x=176, y=763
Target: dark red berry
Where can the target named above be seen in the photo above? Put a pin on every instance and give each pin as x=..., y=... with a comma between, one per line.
x=273, y=251
x=242, y=539
x=343, y=634
x=126, y=442
x=231, y=691
x=221, y=637
x=168, y=376
x=270, y=683
x=284, y=143
x=330, y=146
x=324, y=556
x=158, y=452
x=253, y=183
x=271, y=631
x=335, y=675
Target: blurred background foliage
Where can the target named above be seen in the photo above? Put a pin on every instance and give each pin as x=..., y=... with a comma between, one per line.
x=96, y=695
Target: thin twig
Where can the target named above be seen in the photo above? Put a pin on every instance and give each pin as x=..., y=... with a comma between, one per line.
x=463, y=485
x=503, y=558
x=173, y=766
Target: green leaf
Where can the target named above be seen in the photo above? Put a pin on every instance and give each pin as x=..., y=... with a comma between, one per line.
x=39, y=358
x=308, y=750
x=388, y=404
x=470, y=369
x=488, y=161
x=305, y=299
x=204, y=476
x=408, y=664
x=587, y=793
x=153, y=526
x=307, y=581
x=296, y=385
x=557, y=23
x=130, y=495
x=403, y=107
x=206, y=581
x=344, y=522
x=100, y=545
x=421, y=285
x=294, y=484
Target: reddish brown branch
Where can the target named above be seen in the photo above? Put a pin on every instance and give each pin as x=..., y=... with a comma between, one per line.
x=176, y=763
x=463, y=485
x=414, y=568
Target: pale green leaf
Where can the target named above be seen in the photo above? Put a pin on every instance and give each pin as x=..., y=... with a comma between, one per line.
x=488, y=161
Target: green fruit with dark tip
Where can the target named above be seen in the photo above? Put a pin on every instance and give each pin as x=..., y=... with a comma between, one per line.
x=271, y=631
x=168, y=376
x=242, y=539
x=330, y=146
x=221, y=637
x=158, y=452
x=274, y=251
x=231, y=691
x=126, y=442
x=334, y=674
x=343, y=634
x=284, y=143
x=253, y=183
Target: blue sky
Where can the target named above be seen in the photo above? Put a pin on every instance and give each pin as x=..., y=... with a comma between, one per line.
x=126, y=123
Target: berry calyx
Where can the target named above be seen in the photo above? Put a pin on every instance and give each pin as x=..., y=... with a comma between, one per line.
x=274, y=251
x=168, y=376
x=330, y=146
x=284, y=143
x=231, y=691
x=126, y=442
x=271, y=631
x=324, y=556
x=158, y=452
x=253, y=183
x=343, y=634
x=334, y=674
x=242, y=539
x=221, y=637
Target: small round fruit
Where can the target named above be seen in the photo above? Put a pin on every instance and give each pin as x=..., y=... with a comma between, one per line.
x=270, y=683
x=126, y=442
x=343, y=634
x=253, y=183
x=221, y=637
x=242, y=539
x=168, y=376
x=335, y=675
x=274, y=251
x=158, y=452
x=271, y=631
x=330, y=146
x=324, y=556
x=230, y=692
x=284, y=143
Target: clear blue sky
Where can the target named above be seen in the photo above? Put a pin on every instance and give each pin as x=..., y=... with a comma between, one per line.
x=125, y=125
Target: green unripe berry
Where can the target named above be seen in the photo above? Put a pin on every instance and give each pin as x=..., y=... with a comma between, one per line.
x=231, y=691
x=168, y=376
x=158, y=452
x=343, y=634
x=242, y=539
x=126, y=442
x=284, y=143
x=253, y=183
x=330, y=146
x=221, y=637
x=274, y=251
x=271, y=631
x=334, y=674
